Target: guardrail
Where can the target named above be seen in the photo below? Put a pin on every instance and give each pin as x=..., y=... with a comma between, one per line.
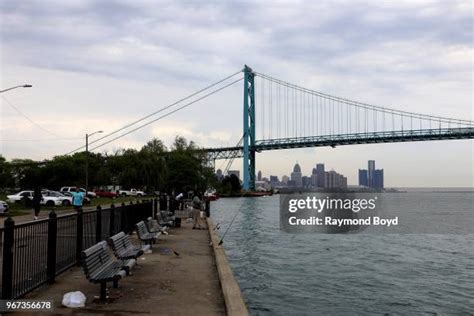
x=34, y=253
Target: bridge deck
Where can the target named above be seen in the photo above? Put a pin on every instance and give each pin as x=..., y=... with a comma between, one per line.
x=346, y=139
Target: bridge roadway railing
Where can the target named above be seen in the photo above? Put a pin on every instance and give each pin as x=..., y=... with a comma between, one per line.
x=34, y=253
x=347, y=139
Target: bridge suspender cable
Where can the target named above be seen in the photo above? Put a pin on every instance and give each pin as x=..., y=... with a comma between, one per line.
x=159, y=111
x=331, y=98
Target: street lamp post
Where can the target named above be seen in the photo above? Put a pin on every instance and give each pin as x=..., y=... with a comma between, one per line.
x=20, y=86
x=87, y=158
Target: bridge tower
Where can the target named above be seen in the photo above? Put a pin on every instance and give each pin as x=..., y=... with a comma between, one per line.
x=249, y=129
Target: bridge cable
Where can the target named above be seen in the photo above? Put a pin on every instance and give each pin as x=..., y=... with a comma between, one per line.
x=158, y=111
x=365, y=105
x=168, y=114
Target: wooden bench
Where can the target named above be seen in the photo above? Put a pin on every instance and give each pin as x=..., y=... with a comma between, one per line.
x=154, y=227
x=123, y=247
x=100, y=267
x=144, y=235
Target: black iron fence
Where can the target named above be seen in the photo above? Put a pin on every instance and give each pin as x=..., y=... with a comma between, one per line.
x=34, y=253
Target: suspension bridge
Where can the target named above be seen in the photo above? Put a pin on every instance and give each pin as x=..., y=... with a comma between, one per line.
x=290, y=116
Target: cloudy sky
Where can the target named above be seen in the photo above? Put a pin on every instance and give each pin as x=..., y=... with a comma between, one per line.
x=103, y=64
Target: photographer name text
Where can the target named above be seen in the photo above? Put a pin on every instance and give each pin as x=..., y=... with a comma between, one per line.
x=330, y=221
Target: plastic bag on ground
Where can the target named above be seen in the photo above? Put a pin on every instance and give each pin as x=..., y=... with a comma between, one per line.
x=74, y=299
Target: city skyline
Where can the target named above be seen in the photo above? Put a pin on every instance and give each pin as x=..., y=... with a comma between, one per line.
x=297, y=174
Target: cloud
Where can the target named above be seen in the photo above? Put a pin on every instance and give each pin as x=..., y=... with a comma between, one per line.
x=106, y=63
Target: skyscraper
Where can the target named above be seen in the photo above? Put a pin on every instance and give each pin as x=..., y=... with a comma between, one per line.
x=259, y=176
x=274, y=181
x=363, y=178
x=320, y=175
x=378, y=179
x=296, y=176
x=372, y=178
x=335, y=180
x=306, y=181
x=370, y=174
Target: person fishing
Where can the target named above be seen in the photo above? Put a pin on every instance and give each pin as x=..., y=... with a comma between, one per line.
x=197, y=205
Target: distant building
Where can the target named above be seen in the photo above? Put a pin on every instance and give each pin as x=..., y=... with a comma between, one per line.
x=370, y=173
x=371, y=177
x=335, y=180
x=296, y=176
x=314, y=180
x=259, y=176
x=274, y=182
x=306, y=181
x=234, y=172
x=320, y=175
x=219, y=175
x=285, y=179
x=378, y=179
x=363, y=178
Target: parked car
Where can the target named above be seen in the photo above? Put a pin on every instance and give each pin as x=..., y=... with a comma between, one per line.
x=131, y=192
x=3, y=207
x=73, y=189
x=105, y=193
x=54, y=198
x=20, y=196
x=85, y=201
x=49, y=199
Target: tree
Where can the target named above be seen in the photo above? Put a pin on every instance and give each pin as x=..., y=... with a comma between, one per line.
x=6, y=176
x=231, y=184
x=152, y=168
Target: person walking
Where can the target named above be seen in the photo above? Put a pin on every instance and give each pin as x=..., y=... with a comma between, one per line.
x=37, y=198
x=197, y=212
x=77, y=199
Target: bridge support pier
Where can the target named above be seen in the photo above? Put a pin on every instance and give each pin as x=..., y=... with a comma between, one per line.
x=249, y=130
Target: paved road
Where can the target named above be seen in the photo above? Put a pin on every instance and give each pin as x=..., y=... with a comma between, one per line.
x=43, y=214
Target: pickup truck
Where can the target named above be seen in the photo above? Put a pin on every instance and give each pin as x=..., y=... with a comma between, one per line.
x=131, y=192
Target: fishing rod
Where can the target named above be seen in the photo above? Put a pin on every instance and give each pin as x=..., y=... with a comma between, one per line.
x=230, y=225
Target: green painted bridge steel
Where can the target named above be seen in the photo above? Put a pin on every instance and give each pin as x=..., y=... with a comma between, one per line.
x=343, y=139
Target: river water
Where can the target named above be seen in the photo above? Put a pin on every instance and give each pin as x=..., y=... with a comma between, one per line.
x=348, y=274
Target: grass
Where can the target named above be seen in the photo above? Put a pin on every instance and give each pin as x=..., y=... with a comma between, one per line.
x=17, y=209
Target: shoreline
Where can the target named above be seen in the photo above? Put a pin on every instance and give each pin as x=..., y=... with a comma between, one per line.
x=233, y=298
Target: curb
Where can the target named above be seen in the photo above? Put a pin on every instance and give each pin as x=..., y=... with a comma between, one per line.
x=234, y=301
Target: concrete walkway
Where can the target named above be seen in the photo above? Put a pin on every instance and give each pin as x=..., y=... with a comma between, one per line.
x=163, y=284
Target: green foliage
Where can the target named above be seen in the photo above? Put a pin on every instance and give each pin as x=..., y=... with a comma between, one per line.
x=152, y=168
x=230, y=185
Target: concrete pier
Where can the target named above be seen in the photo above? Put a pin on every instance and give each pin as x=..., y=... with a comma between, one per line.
x=163, y=283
